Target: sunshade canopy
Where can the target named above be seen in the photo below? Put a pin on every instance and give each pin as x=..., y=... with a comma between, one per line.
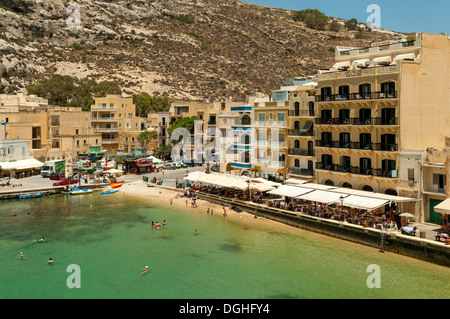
x=443, y=207
x=290, y=191
x=21, y=165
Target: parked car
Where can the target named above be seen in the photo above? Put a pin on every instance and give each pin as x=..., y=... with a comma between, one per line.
x=58, y=176
x=169, y=166
x=66, y=182
x=190, y=163
x=180, y=165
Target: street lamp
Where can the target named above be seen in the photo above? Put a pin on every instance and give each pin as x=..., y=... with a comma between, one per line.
x=249, y=194
x=341, y=198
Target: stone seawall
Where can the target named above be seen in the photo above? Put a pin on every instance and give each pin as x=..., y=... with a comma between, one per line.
x=420, y=248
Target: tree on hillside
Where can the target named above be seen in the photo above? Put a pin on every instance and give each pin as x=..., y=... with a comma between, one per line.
x=313, y=18
x=351, y=24
x=145, y=138
x=146, y=103
x=335, y=26
x=64, y=90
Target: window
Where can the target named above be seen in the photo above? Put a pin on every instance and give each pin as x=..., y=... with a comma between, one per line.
x=261, y=117
x=411, y=174
x=311, y=109
x=297, y=109
x=365, y=91
x=130, y=115
x=270, y=116
x=326, y=93
x=344, y=92
x=281, y=117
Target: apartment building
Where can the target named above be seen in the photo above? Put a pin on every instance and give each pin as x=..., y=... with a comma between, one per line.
x=301, y=133
x=53, y=132
x=270, y=125
x=114, y=117
x=203, y=135
x=378, y=109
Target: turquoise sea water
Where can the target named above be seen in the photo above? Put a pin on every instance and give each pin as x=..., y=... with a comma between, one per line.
x=113, y=240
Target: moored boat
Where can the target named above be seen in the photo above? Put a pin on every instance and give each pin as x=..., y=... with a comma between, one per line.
x=31, y=195
x=77, y=191
x=112, y=191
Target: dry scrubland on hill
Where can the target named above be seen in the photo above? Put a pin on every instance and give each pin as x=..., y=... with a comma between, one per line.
x=187, y=49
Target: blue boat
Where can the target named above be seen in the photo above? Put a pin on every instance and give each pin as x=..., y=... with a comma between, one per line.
x=31, y=195
x=109, y=192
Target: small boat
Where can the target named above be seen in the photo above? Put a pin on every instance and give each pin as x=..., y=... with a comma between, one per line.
x=77, y=191
x=112, y=191
x=31, y=195
x=116, y=184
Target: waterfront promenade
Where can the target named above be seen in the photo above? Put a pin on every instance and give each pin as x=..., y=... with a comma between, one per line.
x=135, y=183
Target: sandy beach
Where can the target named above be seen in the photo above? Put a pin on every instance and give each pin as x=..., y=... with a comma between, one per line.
x=162, y=196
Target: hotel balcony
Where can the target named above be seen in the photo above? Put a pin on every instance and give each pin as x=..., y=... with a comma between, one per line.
x=358, y=121
x=110, y=140
x=357, y=96
x=298, y=132
x=300, y=152
x=301, y=113
x=270, y=124
x=105, y=119
x=367, y=171
x=103, y=109
x=302, y=171
x=106, y=129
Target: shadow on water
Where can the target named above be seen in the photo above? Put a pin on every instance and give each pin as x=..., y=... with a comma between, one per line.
x=232, y=248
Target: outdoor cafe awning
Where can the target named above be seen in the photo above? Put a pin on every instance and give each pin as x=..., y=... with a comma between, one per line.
x=289, y=191
x=21, y=165
x=323, y=197
x=443, y=207
x=362, y=202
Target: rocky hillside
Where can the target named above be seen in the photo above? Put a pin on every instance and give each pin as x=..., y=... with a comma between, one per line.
x=193, y=49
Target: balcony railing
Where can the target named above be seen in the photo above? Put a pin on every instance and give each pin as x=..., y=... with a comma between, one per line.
x=386, y=120
x=385, y=147
x=356, y=96
x=357, y=170
x=301, y=113
x=302, y=171
x=270, y=123
x=300, y=152
x=345, y=121
x=298, y=132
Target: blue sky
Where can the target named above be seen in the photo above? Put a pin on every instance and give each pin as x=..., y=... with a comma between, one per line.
x=397, y=15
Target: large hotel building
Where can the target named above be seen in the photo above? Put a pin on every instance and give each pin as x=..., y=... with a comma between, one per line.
x=378, y=110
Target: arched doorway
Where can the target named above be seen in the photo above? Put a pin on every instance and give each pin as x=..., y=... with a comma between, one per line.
x=367, y=188
x=329, y=182
x=391, y=191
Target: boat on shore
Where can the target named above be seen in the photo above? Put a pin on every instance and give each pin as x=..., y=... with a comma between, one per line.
x=116, y=184
x=112, y=191
x=31, y=195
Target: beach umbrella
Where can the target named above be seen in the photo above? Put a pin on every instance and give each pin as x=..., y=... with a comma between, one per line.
x=406, y=215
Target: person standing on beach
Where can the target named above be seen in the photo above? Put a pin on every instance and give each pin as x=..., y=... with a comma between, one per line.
x=171, y=201
x=207, y=211
x=224, y=212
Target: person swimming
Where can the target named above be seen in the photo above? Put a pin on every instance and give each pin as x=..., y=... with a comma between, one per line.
x=164, y=224
x=50, y=261
x=144, y=270
x=158, y=225
x=21, y=255
x=153, y=224
x=195, y=232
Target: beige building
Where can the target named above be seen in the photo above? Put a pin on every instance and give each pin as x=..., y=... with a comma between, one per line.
x=378, y=109
x=301, y=132
x=212, y=116
x=270, y=125
x=114, y=117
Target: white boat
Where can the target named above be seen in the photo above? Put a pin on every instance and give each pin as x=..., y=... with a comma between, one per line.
x=77, y=191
